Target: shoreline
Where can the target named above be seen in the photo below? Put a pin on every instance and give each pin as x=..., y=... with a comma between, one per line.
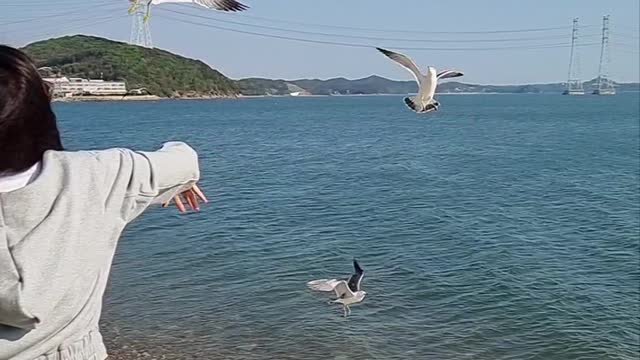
x=240, y=96
x=108, y=98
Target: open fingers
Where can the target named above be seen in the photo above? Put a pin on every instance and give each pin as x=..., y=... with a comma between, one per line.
x=192, y=200
x=189, y=198
x=185, y=199
x=179, y=204
x=199, y=193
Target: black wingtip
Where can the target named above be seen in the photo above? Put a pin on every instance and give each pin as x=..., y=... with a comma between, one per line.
x=356, y=266
x=410, y=104
x=234, y=6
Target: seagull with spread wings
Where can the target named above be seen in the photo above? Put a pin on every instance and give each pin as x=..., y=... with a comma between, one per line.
x=348, y=292
x=222, y=5
x=423, y=102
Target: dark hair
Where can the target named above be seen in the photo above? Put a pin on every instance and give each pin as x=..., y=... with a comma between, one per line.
x=27, y=123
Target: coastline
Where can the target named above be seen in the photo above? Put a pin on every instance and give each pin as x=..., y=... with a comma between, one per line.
x=240, y=96
x=107, y=98
x=135, y=98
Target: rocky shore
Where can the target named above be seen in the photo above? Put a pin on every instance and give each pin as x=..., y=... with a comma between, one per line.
x=136, y=98
x=107, y=98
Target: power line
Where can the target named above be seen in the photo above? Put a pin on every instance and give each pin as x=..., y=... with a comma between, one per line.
x=501, y=31
x=415, y=31
x=547, y=46
x=631, y=46
x=48, y=3
x=635, y=29
x=627, y=51
x=504, y=31
x=625, y=35
x=369, y=37
x=544, y=29
x=66, y=13
x=628, y=48
x=77, y=23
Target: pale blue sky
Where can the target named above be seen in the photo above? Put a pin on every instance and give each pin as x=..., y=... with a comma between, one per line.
x=241, y=55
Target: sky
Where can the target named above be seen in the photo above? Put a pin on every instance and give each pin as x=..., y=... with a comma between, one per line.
x=539, y=56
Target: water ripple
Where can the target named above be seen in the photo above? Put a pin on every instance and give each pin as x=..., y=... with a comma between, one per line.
x=505, y=227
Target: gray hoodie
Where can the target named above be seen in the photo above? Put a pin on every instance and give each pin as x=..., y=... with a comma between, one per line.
x=58, y=235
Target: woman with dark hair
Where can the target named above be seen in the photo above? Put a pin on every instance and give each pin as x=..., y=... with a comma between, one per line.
x=61, y=214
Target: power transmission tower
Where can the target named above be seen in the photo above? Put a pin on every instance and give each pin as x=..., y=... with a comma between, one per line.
x=140, y=33
x=574, y=84
x=605, y=86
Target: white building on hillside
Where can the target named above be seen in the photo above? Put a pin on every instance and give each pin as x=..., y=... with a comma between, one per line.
x=64, y=86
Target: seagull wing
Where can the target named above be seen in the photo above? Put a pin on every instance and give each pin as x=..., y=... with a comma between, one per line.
x=222, y=5
x=448, y=74
x=340, y=287
x=356, y=279
x=342, y=290
x=404, y=61
x=323, y=284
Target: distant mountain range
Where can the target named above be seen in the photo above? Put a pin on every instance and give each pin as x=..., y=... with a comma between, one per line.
x=169, y=75
x=379, y=85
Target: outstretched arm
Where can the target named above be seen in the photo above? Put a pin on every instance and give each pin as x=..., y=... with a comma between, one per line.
x=157, y=177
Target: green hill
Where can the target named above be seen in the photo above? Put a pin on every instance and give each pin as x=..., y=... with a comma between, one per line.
x=161, y=72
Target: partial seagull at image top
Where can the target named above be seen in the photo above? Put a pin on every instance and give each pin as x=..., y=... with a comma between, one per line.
x=423, y=102
x=222, y=5
x=347, y=291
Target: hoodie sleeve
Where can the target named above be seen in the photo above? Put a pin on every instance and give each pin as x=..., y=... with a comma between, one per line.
x=155, y=177
x=52, y=252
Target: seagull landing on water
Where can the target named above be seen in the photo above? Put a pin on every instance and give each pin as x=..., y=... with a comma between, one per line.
x=424, y=101
x=348, y=292
x=222, y=5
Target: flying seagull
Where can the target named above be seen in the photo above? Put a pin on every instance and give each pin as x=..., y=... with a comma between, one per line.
x=222, y=5
x=424, y=101
x=347, y=291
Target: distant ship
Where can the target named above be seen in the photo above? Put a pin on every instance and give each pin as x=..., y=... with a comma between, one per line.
x=573, y=92
x=605, y=87
x=604, y=92
x=297, y=93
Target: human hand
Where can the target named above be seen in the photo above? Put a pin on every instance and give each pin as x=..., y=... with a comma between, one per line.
x=189, y=196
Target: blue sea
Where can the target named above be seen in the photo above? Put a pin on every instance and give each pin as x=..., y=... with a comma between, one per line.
x=499, y=227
